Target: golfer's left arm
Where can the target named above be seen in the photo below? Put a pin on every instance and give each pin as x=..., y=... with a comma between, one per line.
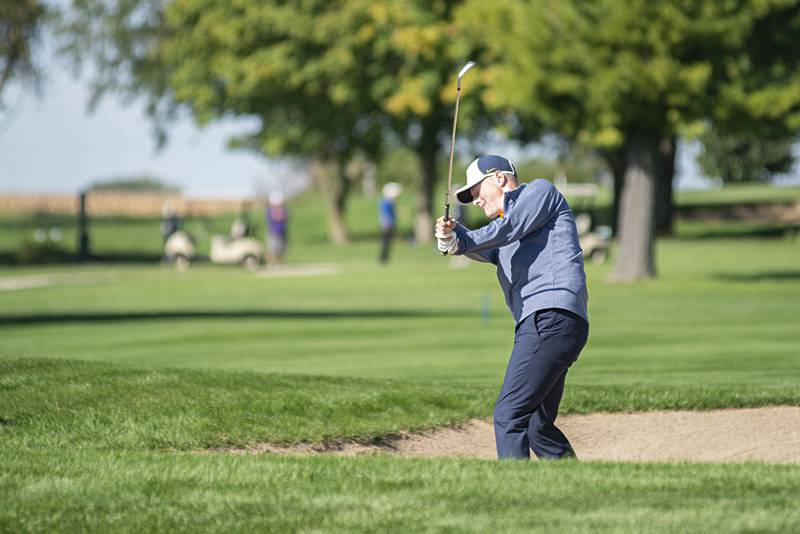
x=536, y=205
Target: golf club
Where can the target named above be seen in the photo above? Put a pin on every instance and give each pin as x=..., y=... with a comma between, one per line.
x=461, y=74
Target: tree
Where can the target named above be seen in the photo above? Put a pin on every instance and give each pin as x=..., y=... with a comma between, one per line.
x=627, y=77
x=415, y=64
x=268, y=60
x=20, y=27
x=744, y=157
x=302, y=68
x=329, y=80
x=141, y=183
x=123, y=42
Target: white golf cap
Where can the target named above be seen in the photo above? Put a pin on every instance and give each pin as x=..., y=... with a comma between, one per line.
x=391, y=190
x=276, y=198
x=481, y=168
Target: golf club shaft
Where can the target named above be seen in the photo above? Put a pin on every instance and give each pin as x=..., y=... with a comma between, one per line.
x=452, y=152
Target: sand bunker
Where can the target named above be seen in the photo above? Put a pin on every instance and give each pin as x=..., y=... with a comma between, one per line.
x=737, y=435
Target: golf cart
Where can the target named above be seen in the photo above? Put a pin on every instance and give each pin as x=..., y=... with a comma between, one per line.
x=245, y=251
x=594, y=244
x=179, y=250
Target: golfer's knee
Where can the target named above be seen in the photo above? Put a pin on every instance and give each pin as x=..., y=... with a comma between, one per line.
x=504, y=417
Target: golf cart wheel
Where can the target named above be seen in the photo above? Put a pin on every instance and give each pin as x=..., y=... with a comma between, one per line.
x=250, y=262
x=181, y=262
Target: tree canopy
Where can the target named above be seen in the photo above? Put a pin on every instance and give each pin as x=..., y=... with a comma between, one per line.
x=329, y=81
x=745, y=157
x=20, y=28
x=627, y=77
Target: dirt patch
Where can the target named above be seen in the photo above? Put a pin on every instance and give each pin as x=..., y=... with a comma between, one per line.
x=752, y=434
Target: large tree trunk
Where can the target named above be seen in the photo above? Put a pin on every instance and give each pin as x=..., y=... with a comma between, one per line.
x=635, y=260
x=617, y=163
x=334, y=186
x=666, y=175
x=423, y=223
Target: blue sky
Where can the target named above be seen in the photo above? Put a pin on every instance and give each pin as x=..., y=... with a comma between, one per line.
x=53, y=144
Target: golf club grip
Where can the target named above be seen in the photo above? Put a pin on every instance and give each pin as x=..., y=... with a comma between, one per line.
x=446, y=216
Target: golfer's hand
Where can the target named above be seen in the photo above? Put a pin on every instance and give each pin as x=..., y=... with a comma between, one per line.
x=446, y=240
x=444, y=227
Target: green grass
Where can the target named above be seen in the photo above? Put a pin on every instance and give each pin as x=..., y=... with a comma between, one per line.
x=718, y=328
x=737, y=194
x=113, y=376
x=90, y=446
x=138, y=492
x=56, y=404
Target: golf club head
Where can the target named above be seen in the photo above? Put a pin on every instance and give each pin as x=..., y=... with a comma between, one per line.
x=463, y=71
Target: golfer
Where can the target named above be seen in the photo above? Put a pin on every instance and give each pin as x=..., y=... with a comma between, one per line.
x=533, y=241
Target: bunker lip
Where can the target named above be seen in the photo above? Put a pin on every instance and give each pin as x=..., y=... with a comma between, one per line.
x=767, y=434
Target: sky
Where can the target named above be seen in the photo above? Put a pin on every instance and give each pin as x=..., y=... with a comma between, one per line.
x=53, y=144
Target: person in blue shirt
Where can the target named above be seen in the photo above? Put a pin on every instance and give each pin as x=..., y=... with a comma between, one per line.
x=387, y=217
x=533, y=242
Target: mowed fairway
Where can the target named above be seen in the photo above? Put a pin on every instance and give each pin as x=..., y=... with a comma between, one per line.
x=172, y=363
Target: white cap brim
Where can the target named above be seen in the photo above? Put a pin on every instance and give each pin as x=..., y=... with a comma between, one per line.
x=474, y=176
x=480, y=169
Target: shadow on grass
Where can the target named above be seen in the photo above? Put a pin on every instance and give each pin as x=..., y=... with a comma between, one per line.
x=104, y=317
x=760, y=276
x=15, y=258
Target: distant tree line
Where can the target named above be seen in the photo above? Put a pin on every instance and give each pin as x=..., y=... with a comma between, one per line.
x=143, y=183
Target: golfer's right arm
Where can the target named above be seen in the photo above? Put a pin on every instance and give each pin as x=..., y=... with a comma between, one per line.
x=447, y=232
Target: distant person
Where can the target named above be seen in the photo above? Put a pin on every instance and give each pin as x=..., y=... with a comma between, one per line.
x=241, y=226
x=169, y=222
x=387, y=217
x=277, y=221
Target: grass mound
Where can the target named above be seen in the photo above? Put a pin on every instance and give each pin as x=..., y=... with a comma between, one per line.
x=55, y=403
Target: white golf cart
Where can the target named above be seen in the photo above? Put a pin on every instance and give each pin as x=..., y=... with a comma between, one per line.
x=245, y=251
x=179, y=250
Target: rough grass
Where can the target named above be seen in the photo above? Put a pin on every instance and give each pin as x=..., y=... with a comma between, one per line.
x=138, y=492
x=75, y=438
x=56, y=404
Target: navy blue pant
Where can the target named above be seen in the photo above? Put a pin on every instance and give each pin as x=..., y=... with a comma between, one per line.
x=545, y=345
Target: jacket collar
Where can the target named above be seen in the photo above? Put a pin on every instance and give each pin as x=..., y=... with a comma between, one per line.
x=510, y=197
